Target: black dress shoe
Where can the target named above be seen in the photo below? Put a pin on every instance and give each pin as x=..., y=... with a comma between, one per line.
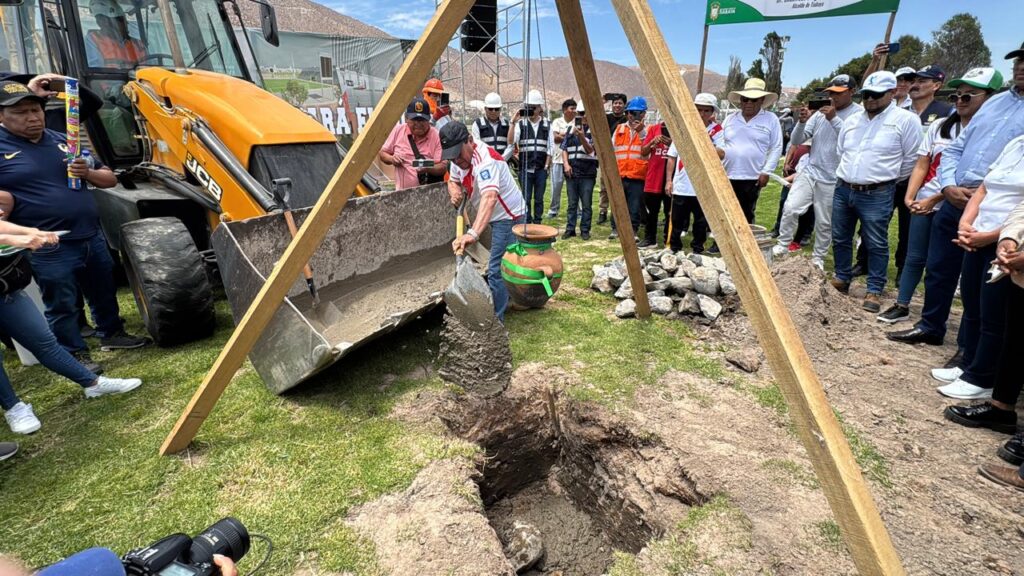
x=983, y=415
x=602, y=217
x=1013, y=450
x=955, y=360
x=915, y=336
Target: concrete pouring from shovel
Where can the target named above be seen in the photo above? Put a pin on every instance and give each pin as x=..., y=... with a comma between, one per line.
x=468, y=297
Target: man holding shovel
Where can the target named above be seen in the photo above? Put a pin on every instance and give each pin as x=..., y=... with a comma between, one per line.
x=479, y=172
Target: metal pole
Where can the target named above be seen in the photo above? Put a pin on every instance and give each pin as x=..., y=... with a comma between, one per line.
x=172, y=38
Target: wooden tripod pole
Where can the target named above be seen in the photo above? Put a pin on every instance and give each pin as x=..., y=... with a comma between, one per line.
x=703, y=57
x=888, y=35
x=582, y=59
x=848, y=495
x=406, y=84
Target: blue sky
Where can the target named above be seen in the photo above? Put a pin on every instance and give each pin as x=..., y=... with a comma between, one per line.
x=815, y=48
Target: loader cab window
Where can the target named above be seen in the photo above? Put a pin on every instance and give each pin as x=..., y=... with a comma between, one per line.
x=22, y=39
x=130, y=34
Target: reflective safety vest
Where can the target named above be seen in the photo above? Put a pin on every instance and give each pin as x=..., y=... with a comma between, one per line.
x=495, y=139
x=533, y=146
x=583, y=165
x=628, y=152
x=117, y=53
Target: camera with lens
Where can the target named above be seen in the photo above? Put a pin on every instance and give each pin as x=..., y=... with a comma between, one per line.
x=179, y=555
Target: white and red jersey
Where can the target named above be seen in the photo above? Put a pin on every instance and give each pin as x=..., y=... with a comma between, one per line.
x=489, y=171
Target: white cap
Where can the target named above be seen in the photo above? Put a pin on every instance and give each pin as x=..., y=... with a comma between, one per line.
x=492, y=100
x=706, y=99
x=881, y=81
x=533, y=98
x=579, y=106
x=905, y=71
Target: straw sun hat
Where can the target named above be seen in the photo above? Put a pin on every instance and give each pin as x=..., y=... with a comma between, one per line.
x=753, y=88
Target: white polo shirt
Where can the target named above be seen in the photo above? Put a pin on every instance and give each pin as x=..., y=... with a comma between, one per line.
x=879, y=149
x=681, y=184
x=560, y=126
x=489, y=171
x=751, y=148
x=1004, y=187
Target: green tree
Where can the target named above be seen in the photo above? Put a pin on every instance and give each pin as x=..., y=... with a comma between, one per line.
x=958, y=45
x=735, y=78
x=295, y=92
x=756, y=69
x=772, y=52
x=912, y=53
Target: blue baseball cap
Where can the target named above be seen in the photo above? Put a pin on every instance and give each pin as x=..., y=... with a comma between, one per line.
x=419, y=109
x=931, y=72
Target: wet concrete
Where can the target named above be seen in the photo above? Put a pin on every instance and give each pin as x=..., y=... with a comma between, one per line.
x=366, y=302
x=478, y=361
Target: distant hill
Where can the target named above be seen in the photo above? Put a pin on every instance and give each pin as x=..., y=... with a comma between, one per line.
x=307, y=16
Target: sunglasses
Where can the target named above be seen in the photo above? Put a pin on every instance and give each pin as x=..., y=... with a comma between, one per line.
x=635, y=114
x=874, y=95
x=964, y=98
x=494, y=109
x=746, y=100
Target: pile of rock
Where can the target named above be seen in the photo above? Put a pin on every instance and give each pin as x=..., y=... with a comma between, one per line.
x=676, y=284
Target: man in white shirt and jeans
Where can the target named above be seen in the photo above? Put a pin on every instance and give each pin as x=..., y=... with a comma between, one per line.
x=753, y=143
x=816, y=183
x=559, y=128
x=876, y=148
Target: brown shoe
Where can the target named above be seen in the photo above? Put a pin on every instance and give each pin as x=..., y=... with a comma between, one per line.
x=838, y=284
x=1003, y=475
x=872, y=303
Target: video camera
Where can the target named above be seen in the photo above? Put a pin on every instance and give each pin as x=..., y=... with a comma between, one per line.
x=179, y=555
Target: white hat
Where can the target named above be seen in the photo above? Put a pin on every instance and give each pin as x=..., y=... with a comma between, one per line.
x=492, y=100
x=878, y=82
x=579, y=106
x=906, y=71
x=706, y=99
x=753, y=88
x=533, y=98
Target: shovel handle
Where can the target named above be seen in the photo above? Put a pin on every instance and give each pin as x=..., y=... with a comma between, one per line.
x=307, y=272
x=460, y=224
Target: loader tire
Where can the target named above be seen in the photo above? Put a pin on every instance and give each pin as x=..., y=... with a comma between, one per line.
x=168, y=280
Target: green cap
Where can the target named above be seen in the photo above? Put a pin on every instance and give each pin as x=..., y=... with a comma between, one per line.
x=984, y=78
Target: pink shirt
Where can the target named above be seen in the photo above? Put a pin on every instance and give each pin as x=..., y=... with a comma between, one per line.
x=397, y=144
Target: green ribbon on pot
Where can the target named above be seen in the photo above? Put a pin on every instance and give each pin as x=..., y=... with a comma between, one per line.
x=529, y=275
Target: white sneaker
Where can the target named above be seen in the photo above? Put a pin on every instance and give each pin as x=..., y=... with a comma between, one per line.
x=105, y=386
x=964, y=391
x=947, y=375
x=22, y=419
x=818, y=263
x=779, y=250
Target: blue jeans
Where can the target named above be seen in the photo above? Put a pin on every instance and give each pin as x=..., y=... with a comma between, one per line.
x=501, y=238
x=534, y=184
x=20, y=319
x=943, y=270
x=91, y=562
x=873, y=208
x=634, y=191
x=984, y=321
x=581, y=194
x=62, y=271
x=917, y=256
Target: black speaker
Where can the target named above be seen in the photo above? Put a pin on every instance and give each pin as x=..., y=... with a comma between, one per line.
x=480, y=27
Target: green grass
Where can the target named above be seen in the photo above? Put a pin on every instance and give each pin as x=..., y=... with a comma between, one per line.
x=278, y=85
x=289, y=467
x=828, y=534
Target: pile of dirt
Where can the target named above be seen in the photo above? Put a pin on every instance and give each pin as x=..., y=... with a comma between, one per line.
x=480, y=362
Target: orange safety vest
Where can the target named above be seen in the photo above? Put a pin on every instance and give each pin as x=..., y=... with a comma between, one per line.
x=117, y=53
x=628, y=152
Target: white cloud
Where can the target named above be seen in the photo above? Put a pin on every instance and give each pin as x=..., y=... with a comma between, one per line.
x=407, y=20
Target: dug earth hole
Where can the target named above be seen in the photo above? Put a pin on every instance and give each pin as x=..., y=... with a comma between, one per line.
x=556, y=489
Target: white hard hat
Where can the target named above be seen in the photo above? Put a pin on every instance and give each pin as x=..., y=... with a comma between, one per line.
x=492, y=100
x=706, y=99
x=533, y=98
x=579, y=106
x=108, y=8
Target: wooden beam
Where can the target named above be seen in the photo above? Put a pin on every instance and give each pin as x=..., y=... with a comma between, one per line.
x=703, y=57
x=841, y=478
x=403, y=88
x=888, y=35
x=576, y=39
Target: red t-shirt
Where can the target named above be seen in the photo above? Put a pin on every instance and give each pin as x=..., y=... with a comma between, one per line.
x=655, y=182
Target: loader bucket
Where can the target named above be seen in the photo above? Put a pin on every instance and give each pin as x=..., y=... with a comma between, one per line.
x=384, y=262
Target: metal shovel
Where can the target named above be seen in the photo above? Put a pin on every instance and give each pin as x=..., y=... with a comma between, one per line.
x=468, y=297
